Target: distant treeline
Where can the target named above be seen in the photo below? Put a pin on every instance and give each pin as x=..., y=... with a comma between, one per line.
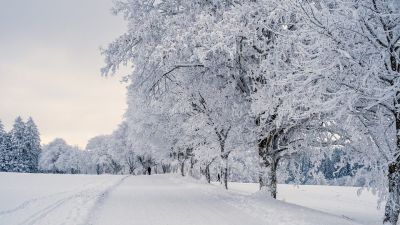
x=20, y=151
x=20, y=147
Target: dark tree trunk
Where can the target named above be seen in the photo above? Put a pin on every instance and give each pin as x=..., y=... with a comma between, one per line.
x=269, y=160
x=166, y=168
x=273, y=179
x=268, y=178
x=392, y=208
x=225, y=171
x=264, y=162
x=98, y=169
x=222, y=136
x=131, y=170
x=183, y=168
x=207, y=173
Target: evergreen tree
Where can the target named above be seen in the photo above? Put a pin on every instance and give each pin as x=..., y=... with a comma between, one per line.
x=32, y=146
x=18, y=153
x=3, y=148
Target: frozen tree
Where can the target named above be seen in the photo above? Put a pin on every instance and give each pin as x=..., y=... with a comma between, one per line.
x=122, y=150
x=364, y=40
x=25, y=146
x=21, y=147
x=4, y=149
x=166, y=61
x=298, y=78
x=147, y=133
x=103, y=154
x=51, y=154
x=19, y=151
x=131, y=161
x=59, y=157
x=32, y=143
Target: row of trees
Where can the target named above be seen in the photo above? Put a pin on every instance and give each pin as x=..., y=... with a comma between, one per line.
x=249, y=90
x=20, y=151
x=265, y=84
x=105, y=154
x=20, y=148
x=59, y=157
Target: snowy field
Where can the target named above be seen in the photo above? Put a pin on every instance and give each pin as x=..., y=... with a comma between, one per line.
x=341, y=201
x=171, y=200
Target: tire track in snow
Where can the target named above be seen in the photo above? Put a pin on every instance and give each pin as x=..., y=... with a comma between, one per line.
x=66, y=207
x=29, y=202
x=100, y=201
x=49, y=209
x=41, y=214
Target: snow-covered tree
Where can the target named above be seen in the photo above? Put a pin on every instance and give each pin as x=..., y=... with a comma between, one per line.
x=4, y=149
x=32, y=143
x=122, y=150
x=59, y=157
x=364, y=41
x=19, y=151
x=102, y=154
x=50, y=154
x=298, y=78
x=166, y=62
x=24, y=147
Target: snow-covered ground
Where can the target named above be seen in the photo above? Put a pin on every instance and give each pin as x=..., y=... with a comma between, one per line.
x=172, y=200
x=50, y=199
x=342, y=201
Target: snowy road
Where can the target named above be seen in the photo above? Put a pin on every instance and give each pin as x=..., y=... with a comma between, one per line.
x=170, y=200
x=43, y=199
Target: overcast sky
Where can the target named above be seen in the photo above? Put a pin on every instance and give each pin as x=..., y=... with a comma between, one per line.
x=50, y=63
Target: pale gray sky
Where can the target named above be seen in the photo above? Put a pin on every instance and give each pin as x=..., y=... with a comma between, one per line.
x=50, y=63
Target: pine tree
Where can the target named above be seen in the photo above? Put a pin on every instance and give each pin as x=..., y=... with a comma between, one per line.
x=32, y=146
x=18, y=151
x=3, y=148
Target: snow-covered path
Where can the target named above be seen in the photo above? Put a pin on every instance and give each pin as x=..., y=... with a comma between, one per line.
x=170, y=200
x=50, y=199
x=28, y=199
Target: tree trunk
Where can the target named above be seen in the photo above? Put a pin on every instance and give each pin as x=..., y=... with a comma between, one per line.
x=224, y=171
x=392, y=208
x=262, y=176
x=264, y=164
x=183, y=168
x=222, y=136
x=273, y=179
x=166, y=168
x=131, y=170
x=192, y=162
x=268, y=165
x=207, y=173
x=268, y=178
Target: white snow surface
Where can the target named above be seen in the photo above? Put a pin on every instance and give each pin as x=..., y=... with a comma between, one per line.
x=50, y=199
x=338, y=200
x=172, y=200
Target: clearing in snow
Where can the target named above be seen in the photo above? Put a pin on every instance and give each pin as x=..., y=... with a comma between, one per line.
x=159, y=200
